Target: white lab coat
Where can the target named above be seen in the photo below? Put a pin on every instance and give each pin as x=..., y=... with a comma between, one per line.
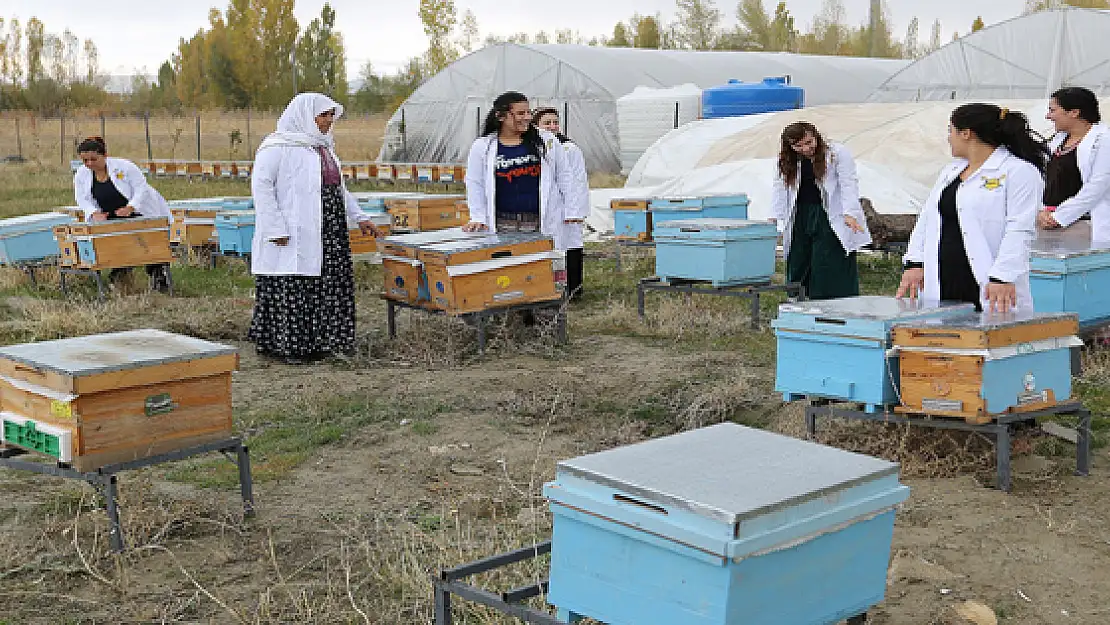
x=286, y=185
x=557, y=186
x=998, y=208
x=576, y=206
x=129, y=180
x=839, y=194
x=1093, y=156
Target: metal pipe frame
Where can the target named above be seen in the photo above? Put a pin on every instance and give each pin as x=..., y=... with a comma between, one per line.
x=448, y=583
x=1001, y=428
x=105, y=482
x=750, y=292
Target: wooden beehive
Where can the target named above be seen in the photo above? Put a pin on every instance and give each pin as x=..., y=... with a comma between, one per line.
x=421, y=213
x=194, y=227
x=110, y=398
x=631, y=219
x=403, y=272
x=979, y=366
x=365, y=243
x=117, y=243
x=494, y=270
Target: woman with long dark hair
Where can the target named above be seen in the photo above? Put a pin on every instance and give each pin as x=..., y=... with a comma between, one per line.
x=568, y=237
x=1077, y=179
x=973, y=237
x=815, y=203
x=517, y=176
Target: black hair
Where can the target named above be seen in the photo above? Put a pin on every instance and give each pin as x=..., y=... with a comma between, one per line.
x=93, y=144
x=1079, y=99
x=501, y=107
x=997, y=126
x=538, y=114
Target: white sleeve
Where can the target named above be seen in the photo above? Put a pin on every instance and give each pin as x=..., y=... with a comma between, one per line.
x=82, y=194
x=848, y=179
x=578, y=205
x=140, y=188
x=780, y=212
x=476, y=185
x=269, y=218
x=1094, y=189
x=1024, y=190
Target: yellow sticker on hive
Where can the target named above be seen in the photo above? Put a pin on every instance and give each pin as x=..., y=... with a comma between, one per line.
x=61, y=409
x=503, y=282
x=990, y=184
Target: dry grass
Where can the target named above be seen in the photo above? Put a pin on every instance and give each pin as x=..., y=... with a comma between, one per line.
x=43, y=140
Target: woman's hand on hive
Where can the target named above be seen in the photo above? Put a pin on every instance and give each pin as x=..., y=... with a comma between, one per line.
x=475, y=227
x=1002, y=296
x=913, y=283
x=100, y=216
x=1046, y=221
x=281, y=241
x=126, y=211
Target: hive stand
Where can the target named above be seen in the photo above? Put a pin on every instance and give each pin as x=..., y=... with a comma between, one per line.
x=748, y=291
x=104, y=478
x=30, y=268
x=481, y=317
x=449, y=582
x=890, y=248
x=217, y=254
x=95, y=274
x=1001, y=429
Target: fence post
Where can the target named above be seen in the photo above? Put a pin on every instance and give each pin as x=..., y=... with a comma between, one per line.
x=250, y=148
x=676, y=114
x=18, y=139
x=404, y=136
x=146, y=124
x=103, y=134
x=198, y=135
x=62, y=142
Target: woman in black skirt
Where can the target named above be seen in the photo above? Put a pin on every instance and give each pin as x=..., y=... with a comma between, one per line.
x=301, y=254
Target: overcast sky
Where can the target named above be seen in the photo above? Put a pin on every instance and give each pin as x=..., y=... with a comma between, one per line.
x=132, y=34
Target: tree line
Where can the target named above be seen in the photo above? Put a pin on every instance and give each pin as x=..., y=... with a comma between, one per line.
x=253, y=53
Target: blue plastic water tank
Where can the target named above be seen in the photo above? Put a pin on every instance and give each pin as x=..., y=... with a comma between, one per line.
x=739, y=98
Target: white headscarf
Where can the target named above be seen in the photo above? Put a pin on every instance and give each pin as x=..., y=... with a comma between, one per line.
x=297, y=125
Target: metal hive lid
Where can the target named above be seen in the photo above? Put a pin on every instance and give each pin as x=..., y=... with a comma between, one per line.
x=867, y=307
x=1069, y=242
x=728, y=472
x=988, y=321
x=488, y=240
x=715, y=223
x=104, y=353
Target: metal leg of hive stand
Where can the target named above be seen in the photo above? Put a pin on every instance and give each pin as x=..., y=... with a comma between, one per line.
x=246, y=486
x=1083, y=444
x=99, y=286
x=481, y=318
x=620, y=251
x=1002, y=453
x=561, y=325
x=811, y=422
x=115, y=530
x=754, y=300
x=391, y=318
x=169, y=278
x=62, y=282
x=443, y=606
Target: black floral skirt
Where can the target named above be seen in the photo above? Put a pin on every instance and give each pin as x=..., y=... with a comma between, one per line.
x=307, y=316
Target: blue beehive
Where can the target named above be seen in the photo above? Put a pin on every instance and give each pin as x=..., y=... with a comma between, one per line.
x=725, y=525
x=235, y=231
x=737, y=98
x=839, y=349
x=631, y=219
x=1069, y=274
x=704, y=207
x=30, y=238
x=721, y=251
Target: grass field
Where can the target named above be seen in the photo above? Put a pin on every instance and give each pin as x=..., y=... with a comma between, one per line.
x=417, y=454
x=47, y=142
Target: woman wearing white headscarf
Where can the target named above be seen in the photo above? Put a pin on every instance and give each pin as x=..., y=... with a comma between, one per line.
x=301, y=255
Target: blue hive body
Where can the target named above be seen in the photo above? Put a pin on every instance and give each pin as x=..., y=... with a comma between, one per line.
x=720, y=251
x=30, y=238
x=1070, y=274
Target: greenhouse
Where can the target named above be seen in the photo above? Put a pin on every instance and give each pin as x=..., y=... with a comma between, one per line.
x=442, y=118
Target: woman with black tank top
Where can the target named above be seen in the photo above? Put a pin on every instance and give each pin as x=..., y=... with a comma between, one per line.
x=108, y=188
x=1077, y=179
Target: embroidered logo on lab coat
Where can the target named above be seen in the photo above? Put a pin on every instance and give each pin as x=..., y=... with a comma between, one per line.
x=991, y=184
x=119, y=175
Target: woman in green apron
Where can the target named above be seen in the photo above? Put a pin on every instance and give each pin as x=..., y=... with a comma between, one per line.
x=815, y=203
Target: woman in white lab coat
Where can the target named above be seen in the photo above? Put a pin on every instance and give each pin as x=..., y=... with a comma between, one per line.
x=301, y=255
x=576, y=208
x=108, y=188
x=815, y=204
x=973, y=237
x=1077, y=179
x=517, y=176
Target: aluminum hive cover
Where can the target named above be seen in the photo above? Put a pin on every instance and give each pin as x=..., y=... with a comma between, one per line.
x=728, y=472
x=870, y=307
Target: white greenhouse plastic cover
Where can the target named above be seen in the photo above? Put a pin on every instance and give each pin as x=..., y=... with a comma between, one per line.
x=899, y=151
x=1026, y=57
x=647, y=114
x=443, y=117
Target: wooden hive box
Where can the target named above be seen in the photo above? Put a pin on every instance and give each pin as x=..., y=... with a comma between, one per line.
x=122, y=243
x=67, y=247
x=421, y=213
x=368, y=244
x=195, y=226
x=383, y=172
x=110, y=398
x=474, y=274
x=402, y=271
x=981, y=365
x=724, y=525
